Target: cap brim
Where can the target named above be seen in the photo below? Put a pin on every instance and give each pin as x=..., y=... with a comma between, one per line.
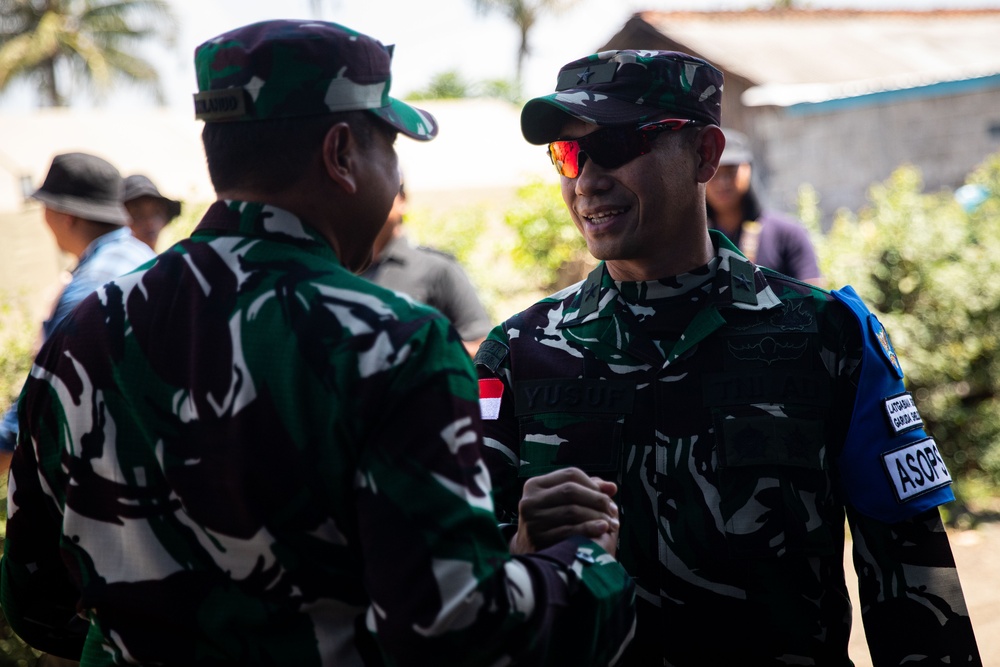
x=542, y=118
x=411, y=121
x=114, y=214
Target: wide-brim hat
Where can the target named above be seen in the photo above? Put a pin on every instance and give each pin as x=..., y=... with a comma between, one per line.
x=624, y=87
x=294, y=68
x=138, y=185
x=85, y=186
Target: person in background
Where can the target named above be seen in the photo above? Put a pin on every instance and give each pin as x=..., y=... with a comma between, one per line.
x=82, y=199
x=742, y=414
x=206, y=473
x=427, y=275
x=765, y=237
x=149, y=211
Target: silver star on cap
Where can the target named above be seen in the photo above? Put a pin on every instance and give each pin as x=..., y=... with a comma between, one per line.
x=584, y=76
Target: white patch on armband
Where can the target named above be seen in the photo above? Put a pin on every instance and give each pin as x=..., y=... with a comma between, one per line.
x=915, y=469
x=902, y=413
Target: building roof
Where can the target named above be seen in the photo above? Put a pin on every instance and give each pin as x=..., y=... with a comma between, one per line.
x=794, y=56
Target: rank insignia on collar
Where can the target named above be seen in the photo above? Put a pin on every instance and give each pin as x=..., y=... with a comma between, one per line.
x=885, y=345
x=741, y=282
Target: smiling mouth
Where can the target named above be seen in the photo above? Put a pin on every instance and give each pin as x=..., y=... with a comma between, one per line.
x=603, y=216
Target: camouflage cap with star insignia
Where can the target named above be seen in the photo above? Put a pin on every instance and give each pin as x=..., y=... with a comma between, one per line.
x=293, y=68
x=625, y=87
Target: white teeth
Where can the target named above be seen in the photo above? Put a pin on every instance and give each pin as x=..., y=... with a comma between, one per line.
x=603, y=214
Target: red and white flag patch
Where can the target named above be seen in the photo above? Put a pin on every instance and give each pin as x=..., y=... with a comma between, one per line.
x=490, y=393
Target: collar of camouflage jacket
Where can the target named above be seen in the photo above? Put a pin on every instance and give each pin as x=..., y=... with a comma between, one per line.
x=263, y=220
x=738, y=284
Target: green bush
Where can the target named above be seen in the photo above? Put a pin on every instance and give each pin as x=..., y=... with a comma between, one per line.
x=549, y=249
x=18, y=336
x=928, y=268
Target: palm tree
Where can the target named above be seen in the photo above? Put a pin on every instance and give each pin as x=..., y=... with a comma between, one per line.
x=91, y=40
x=524, y=14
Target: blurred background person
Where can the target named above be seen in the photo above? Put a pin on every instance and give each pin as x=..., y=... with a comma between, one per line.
x=82, y=195
x=427, y=275
x=150, y=211
x=768, y=238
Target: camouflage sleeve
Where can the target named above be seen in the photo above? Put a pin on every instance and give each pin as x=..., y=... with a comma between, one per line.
x=911, y=598
x=501, y=440
x=439, y=574
x=36, y=592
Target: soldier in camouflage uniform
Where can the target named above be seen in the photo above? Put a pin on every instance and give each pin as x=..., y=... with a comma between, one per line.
x=741, y=413
x=244, y=454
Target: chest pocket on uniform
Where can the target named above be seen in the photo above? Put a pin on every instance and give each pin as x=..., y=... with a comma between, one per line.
x=774, y=484
x=773, y=478
x=569, y=422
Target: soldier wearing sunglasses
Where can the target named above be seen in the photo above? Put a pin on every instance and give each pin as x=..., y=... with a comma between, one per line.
x=736, y=415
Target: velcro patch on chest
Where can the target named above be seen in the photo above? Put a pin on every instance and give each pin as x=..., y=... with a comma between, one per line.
x=915, y=469
x=902, y=413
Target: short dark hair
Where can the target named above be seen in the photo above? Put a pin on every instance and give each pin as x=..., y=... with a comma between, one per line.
x=271, y=155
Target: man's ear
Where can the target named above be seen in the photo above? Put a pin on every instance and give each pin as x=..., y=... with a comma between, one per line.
x=710, y=144
x=341, y=157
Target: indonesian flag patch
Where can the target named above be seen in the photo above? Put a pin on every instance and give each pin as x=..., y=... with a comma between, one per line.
x=490, y=392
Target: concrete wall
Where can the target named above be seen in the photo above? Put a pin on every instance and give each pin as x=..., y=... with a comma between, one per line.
x=843, y=151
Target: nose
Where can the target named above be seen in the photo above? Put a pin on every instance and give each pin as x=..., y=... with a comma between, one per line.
x=592, y=177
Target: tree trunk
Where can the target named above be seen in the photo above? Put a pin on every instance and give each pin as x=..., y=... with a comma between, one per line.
x=49, y=91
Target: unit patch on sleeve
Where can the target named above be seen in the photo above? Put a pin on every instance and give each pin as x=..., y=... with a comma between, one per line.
x=490, y=393
x=902, y=413
x=915, y=469
x=888, y=351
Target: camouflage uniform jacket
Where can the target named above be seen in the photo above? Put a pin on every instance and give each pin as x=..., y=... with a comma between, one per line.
x=243, y=454
x=735, y=449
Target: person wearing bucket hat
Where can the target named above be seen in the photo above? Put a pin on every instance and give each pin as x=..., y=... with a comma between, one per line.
x=81, y=195
x=149, y=211
x=207, y=473
x=764, y=236
x=740, y=413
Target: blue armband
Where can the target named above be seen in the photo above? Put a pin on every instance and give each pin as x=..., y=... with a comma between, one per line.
x=890, y=467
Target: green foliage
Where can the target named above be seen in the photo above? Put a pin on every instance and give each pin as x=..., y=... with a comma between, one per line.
x=549, y=247
x=448, y=85
x=481, y=244
x=928, y=269
x=451, y=85
x=93, y=40
x=501, y=89
x=18, y=336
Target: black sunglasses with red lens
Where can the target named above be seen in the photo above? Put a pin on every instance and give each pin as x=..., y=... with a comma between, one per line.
x=610, y=147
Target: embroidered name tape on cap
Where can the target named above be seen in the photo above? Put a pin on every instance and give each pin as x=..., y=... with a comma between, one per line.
x=902, y=413
x=915, y=469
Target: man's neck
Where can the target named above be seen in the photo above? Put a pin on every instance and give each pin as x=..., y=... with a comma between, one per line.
x=666, y=265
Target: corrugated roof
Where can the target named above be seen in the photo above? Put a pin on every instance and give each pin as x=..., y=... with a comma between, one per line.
x=814, y=55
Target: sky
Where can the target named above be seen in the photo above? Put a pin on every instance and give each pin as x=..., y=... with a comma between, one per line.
x=431, y=37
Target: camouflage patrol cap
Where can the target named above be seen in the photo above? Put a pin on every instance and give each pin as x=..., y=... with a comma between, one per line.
x=623, y=87
x=292, y=68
